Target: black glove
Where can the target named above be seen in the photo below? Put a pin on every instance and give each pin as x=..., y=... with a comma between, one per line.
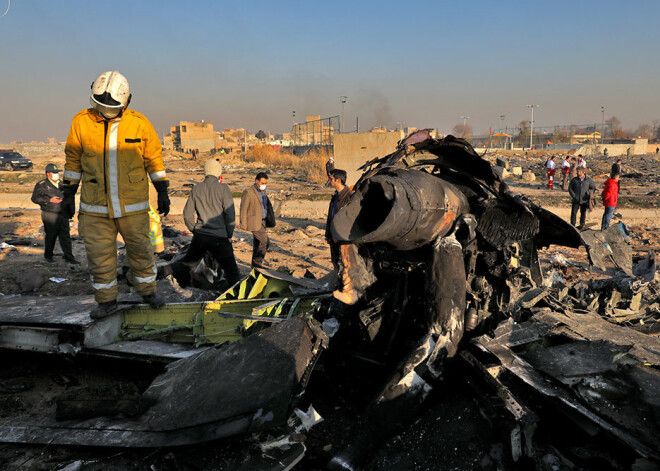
x=69, y=200
x=163, y=200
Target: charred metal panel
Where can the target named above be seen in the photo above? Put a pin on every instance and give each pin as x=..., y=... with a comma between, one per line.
x=246, y=386
x=609, y=244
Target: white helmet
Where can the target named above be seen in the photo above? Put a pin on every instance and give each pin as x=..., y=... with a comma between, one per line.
x=110, y=94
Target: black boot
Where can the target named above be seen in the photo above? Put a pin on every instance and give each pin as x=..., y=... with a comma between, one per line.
x=154, y=300
x=104, y=310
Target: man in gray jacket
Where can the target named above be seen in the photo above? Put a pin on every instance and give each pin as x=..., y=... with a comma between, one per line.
x=580, y=189
x=213, y=205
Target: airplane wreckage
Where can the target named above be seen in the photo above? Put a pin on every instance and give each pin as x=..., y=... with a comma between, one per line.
x=443, y=261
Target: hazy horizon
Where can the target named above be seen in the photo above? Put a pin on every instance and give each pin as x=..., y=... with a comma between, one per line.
x=250, y=65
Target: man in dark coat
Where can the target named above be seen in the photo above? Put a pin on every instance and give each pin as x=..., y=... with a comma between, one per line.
x=339, y=199
x=48, y=195
x=581, y=189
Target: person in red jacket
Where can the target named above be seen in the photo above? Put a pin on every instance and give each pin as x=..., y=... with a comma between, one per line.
x=610, y=198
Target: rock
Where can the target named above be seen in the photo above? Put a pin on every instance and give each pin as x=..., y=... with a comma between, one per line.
x=504, y=173
x=313, y=231
x=30, y=281
x=299, y=235
x=517, y=171
x=529, y=177
x=500, y=162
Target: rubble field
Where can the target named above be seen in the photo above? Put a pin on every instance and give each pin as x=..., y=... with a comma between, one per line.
x=456, y=429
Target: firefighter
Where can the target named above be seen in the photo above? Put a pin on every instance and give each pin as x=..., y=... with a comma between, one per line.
x=114, y=152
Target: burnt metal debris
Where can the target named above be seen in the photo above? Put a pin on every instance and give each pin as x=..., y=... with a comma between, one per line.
x=447, y=264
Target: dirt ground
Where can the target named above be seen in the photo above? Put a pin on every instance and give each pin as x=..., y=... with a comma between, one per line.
x=298, y=239
x=452, y=434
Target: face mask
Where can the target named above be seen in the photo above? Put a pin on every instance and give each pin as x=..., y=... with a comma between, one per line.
x=55, y=177
x=262, y=187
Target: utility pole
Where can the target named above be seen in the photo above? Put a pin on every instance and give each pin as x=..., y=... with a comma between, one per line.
x=602, y=112
x=531, y=130
x=464, y=118
x=342, y=99
x=502, y=122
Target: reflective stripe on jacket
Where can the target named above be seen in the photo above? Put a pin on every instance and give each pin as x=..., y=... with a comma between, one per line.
x=155, y=231
x=113, y=159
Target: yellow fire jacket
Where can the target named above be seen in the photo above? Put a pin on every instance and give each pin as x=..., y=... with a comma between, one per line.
x=112, y=159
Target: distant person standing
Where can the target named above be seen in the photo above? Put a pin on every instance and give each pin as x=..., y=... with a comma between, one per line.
x=581, y=163
x=565, y=170
x=256, y=216
x=573, y=173
x=551, y=168
x=610, y=197
x=579, y=189
x=617, y=167
x=338, y=201
x=48, y=195
x=329, y=167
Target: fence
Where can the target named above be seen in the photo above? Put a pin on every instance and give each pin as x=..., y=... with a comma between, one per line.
x=569, y=136
x=315, y=133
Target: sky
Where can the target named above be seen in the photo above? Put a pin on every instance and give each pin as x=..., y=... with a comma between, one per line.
x=252, y=63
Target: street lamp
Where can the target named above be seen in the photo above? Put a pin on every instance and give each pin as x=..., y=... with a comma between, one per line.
x=502, y=122
x=342, y=99
x=602, y=112
x=464, y=118
x=531, y=132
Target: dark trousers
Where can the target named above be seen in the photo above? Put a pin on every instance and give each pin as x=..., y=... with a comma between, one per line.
x=334, y=254
x=56, y=226
x=219, y=247
x=260, y=245
x=583, y=213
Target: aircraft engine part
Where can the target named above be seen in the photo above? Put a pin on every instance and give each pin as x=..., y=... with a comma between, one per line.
x=405, y=208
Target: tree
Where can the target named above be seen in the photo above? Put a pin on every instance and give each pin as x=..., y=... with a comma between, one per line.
x=462, y=130
x=522, y=139
x=644, y=130
x=614, y=124
x=261, y=135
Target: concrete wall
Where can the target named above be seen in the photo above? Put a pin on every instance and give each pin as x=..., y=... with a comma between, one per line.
x=204, y=145
x=640, y=147
x=352, y=150
x=34, y=149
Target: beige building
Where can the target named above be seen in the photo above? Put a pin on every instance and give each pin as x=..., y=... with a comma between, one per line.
x=191, y=135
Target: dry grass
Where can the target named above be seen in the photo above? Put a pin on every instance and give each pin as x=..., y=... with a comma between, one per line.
x=312, y=163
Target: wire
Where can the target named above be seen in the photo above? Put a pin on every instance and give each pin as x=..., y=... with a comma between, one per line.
x=6, y=11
